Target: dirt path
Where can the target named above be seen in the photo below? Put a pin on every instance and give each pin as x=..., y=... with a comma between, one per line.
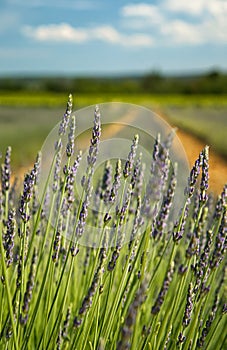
x=192, y=145
x=217, y=164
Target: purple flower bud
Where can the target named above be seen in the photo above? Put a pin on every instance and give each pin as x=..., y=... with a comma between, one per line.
x=57, y=242
x=116, y=183
x=179, y=226
x=77, y=322
x=131, y=156
x=205, y=176
x=159, y=173
x=70, y=180
x=164, y=289
x=19, y=267
x=65, y=120
x=137, y=221
x=221, y=202
x=220, y=243
x=129, y=322
x=88, y=299
x=106, y=182
x=29, y=183
x=8, y=241
x=6, y=171
x=189, y=307
x=64, y=332
x=29, y=290
x=107, y=218
x=156, y=149
x=193, y=177
x=71, y=136
x=208, y=324
x=182, y=269
x=181, y=338
x=112, y=262
x=95, y=140
x=83, y=215
x=161, y=220
x=57, y=169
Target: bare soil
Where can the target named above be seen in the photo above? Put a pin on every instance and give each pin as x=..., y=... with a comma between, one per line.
x=217, y=164
x=193, y=146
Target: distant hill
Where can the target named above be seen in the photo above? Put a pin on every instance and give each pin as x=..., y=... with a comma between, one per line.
x=212, y=82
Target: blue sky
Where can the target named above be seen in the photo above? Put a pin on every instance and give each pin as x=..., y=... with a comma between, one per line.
x=111, y=37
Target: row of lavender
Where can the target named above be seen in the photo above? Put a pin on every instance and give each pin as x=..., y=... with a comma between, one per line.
x=149, y=284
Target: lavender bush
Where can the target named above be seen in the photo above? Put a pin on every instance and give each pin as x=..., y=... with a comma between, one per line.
x=163, y=289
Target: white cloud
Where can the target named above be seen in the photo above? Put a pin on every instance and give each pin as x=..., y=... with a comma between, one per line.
x=111, y=35
x=180, y=32
x=106, y=33
x=142, y=10
x=166, y=22
x=66, y=33
x=196, y=7
x=56, y=32
x=148, y=25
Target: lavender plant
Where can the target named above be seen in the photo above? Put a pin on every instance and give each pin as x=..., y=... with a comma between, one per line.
x=164, y=289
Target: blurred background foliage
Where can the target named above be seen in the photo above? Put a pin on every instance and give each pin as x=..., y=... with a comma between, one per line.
x=31, y=106
x=212, y=82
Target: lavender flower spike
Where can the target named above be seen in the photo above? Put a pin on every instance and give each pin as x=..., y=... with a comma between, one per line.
x=220, y=243
x=71, y=136
x=106, y=182
x=189, y=307
x=205, y=176
x=96, y=133
x=116, y=183
x=65, y=119
x=29, y=290
x=9, y=237
x=193, y=177
x=83, y=215
x=131, y=156
x=29, y=183
x=208, y=324
x=157, y=306
x=6, y=171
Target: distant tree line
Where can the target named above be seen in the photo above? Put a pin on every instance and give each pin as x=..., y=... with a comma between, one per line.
x=213, y=82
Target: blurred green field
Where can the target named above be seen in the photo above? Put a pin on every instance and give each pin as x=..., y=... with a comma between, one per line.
x=27, y=118
x=208, y=124
x=50, y=99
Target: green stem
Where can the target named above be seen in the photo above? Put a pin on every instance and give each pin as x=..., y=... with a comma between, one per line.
x=144, y=343
x=120, y=291
x=88, y=323
x=41, y=206
x=212, y=333
x=62, y=306
x=2, y=305
x=22, y=285
x=158, y=264
x=178, y=297
x=8, y=293
x=97, y=322
x=193, y=325
x=49, y=288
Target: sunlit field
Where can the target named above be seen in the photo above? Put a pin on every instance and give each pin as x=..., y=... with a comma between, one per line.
x=114, y=266
x=30, y=117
